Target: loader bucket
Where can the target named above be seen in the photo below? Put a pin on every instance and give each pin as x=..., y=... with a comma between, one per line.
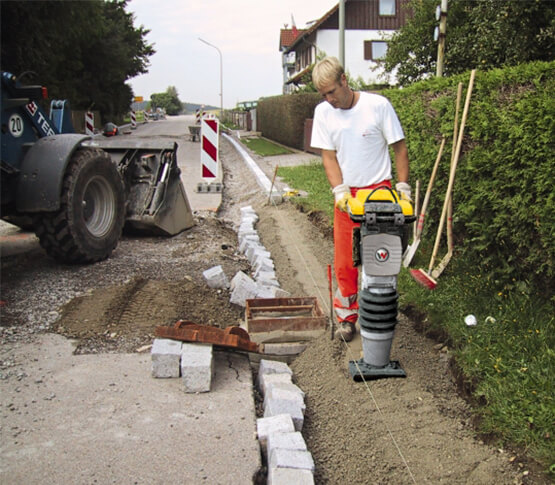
x=156, y=200
x=171, y=215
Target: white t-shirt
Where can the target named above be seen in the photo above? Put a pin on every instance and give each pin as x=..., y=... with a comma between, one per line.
x=360, y=137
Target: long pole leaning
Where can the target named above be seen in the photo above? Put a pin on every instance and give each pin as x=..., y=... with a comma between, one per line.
x=453, y=170
x=450, y=244
x=411, y=249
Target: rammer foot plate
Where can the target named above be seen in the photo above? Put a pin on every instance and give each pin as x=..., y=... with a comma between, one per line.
x=360, y=370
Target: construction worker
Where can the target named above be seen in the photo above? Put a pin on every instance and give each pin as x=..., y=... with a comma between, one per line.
x=354, y=130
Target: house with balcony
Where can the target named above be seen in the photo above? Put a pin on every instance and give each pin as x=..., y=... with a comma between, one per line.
x=286, y=38
x=369, y=24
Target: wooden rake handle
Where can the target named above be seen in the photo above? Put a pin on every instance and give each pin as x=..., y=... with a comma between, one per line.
x=422, y=215
x=453, y=170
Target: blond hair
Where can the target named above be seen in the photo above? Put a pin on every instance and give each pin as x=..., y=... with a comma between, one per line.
x=327, y=71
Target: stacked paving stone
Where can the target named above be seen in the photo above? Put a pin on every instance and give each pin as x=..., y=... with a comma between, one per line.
x=193, y=362
x=265, y=283
x=282, y=444
x=279, y=431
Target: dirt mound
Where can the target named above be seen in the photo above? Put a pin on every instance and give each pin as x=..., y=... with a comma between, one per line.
x=123, y=317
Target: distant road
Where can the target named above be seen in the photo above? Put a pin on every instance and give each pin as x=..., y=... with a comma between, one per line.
x=176, y=128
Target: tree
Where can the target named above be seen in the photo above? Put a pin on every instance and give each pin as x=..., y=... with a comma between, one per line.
x=168, y=100
x=82, y=51
x=480, y=34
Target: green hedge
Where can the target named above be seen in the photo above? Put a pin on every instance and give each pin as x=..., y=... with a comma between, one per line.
x=504, y=189
x=281, y=118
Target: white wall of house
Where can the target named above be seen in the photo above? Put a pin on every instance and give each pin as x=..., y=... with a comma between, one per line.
x=355, y=64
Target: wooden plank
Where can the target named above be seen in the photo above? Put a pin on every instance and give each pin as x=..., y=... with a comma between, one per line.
x=261, y=304
x=285, y=324
x=291, y=308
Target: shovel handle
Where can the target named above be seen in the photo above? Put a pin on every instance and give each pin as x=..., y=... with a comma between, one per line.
x=331, y=301
x=272, y=186
x=422, y=215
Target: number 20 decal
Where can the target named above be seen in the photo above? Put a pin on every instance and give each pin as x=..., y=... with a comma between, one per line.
x=16, y=125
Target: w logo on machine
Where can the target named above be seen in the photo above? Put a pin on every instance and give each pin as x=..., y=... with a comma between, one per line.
x=209, y=156
x=382, y=255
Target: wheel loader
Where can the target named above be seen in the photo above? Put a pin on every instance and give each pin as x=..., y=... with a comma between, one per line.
x=77, y=192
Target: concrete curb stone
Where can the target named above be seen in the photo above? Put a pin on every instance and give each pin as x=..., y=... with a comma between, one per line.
x=165, y=357
x=215, y=277
x=197, y=367
x=286, y=394
x=243, y=288
x=282, y=458
x=282, y=423
x=288, y=441
x=275, y=407
x=265, y=381
x=288, y=476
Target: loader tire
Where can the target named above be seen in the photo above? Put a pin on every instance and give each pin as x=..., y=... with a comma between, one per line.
x=89, y=223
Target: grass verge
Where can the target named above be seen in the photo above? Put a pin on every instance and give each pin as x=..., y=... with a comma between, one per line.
x=312, y=180
x=507, y=360
x=264, y=147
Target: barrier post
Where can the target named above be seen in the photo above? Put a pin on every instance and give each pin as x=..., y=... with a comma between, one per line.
x=209, y=154
x=89, y=123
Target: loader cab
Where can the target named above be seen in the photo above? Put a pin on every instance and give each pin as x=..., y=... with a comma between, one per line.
x=23, y=120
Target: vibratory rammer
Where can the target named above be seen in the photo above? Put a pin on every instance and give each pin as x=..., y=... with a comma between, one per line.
x=378, y=245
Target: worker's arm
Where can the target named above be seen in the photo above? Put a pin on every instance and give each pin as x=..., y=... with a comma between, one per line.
x=341, y=191
x=401, y=160
x=331, y=167
x=402, y=165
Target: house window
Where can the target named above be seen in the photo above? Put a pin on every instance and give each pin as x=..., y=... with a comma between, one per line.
x=387, y=7
x=374, y=49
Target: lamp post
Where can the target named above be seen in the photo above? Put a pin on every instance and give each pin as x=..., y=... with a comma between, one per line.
x=221, y=78
x=441, y=15
x=342, y=34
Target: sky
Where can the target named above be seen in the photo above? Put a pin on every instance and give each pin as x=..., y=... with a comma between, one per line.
x=245, y=31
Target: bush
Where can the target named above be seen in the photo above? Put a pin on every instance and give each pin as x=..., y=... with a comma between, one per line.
x=281, y=118
x=503, y=194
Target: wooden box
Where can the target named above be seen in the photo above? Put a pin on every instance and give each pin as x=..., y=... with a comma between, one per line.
x=284, y=319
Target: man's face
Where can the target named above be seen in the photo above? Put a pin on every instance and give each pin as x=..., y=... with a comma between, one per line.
x=337, y=94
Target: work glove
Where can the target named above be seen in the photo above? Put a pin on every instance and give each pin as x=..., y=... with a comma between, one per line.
x=403, y=189
x=342, y=194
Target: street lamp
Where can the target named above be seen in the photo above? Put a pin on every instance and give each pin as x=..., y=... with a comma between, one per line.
x=221, y=79
x=439, y=35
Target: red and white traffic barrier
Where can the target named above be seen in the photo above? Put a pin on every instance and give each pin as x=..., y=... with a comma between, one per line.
x=209, y=152
x=133, y=120
x=89, y=123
